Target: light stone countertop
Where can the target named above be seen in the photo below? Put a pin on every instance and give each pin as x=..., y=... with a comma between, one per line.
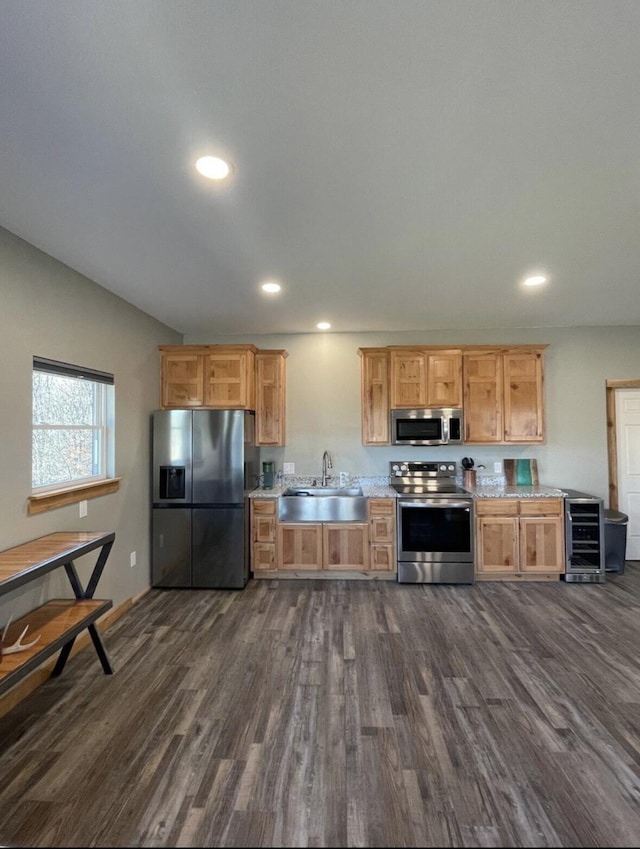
x=372, y=487
x=517, y=491
x=379, y=488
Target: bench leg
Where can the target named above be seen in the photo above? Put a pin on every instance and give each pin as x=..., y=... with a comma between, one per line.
x=98, y=645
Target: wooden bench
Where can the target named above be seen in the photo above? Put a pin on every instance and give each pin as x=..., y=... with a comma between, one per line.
x=58, y=622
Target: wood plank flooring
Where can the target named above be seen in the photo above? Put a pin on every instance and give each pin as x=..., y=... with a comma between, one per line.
x=338, y=714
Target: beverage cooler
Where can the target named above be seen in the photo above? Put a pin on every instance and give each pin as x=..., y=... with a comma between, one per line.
x=584, y=538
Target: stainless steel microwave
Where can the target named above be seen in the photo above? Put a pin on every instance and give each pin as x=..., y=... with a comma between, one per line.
x=427, y=426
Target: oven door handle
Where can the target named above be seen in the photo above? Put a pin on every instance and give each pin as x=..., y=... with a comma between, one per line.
x=437, y=504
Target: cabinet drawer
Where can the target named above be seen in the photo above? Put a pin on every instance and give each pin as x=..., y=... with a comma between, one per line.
x=541, y=507
x=496, y=507
x=382, y=507
x=263, y=506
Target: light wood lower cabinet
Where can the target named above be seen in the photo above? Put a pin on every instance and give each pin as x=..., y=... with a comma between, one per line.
x=263, y=534
x=327, y=546
x=345, y=546
x=340, y=546
x=519, y=538
x=299, y=546
x=382, y=534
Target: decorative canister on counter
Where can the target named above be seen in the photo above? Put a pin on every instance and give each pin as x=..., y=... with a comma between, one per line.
x=469, y=478
x=469, y=473
x=268, y=468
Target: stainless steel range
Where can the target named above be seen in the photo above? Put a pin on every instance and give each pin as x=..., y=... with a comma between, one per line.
x=435, y=523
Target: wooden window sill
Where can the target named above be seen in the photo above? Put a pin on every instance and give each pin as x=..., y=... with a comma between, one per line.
x=71, y=495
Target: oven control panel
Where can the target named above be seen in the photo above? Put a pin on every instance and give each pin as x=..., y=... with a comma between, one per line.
x=423, y=469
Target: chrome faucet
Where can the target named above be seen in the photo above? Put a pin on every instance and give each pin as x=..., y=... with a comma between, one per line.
x=326, y=465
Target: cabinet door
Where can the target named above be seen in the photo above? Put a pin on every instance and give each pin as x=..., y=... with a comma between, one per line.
x=541, y=544
x=300, y=546
x=523, y=397
x=383, y=558
x=181, y=380
x=263, y=556
x=345, y=546
x=483, y=398
x=263, y=534
x=382, y=529
x=374, y=396
x=270, y=398
x=229, y=381
x=444, y=379
x=497, y=544
x=408, y=379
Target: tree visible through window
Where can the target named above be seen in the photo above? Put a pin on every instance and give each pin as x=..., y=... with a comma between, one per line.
x=72, y=424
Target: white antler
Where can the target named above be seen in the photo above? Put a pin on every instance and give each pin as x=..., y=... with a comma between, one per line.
x=17, y=646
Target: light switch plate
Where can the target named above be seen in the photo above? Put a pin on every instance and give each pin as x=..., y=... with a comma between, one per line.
x=497, y=467
x=83, y=509
x=289, y=468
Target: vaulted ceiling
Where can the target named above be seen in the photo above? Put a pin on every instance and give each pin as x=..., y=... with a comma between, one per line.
x=397, y=164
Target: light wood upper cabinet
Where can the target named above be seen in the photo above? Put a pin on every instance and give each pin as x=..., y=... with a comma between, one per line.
x=483, y=397
x=227, y=377
x=270, y=397
x=500, y=389
x=444, y=379
x=504, y=395
x=213, y=376
x=181, y=379
x=523, y=397
x=426, y=377
x=374, y=395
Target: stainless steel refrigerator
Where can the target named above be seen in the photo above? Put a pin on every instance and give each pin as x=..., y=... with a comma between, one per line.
x=204, y=465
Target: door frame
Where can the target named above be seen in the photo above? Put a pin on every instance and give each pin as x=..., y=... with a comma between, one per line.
x=612, y=442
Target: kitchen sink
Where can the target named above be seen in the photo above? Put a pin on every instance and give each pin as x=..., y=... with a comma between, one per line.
x=322, y=504
x=341, y=492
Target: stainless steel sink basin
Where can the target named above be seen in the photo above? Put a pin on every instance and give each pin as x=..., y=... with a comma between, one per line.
x=322, y=504
x=342, y=492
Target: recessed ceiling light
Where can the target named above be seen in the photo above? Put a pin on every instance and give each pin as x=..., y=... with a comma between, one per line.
x=323, y=325
x=536, y=280
x=271, y=286
x=213, y=167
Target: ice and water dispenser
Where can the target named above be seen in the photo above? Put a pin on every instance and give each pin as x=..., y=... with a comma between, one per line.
x=172, y=482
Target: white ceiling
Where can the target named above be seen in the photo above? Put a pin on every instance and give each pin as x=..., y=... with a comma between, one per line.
x=399, y=164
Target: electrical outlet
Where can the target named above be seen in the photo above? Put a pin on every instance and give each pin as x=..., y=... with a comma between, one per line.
x=497, y=467
x=83, y=509
x=132, y=559
x=289, y=468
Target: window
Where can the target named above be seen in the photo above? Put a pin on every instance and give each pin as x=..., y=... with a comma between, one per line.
x=72, y=425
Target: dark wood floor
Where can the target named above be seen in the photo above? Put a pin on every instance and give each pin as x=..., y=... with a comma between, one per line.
x=335, y=713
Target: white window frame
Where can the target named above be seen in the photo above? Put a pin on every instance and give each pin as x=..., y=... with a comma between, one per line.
x=102, y=425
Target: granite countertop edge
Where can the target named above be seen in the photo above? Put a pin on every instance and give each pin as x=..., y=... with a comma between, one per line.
x=518, y=491
x=376, y=488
